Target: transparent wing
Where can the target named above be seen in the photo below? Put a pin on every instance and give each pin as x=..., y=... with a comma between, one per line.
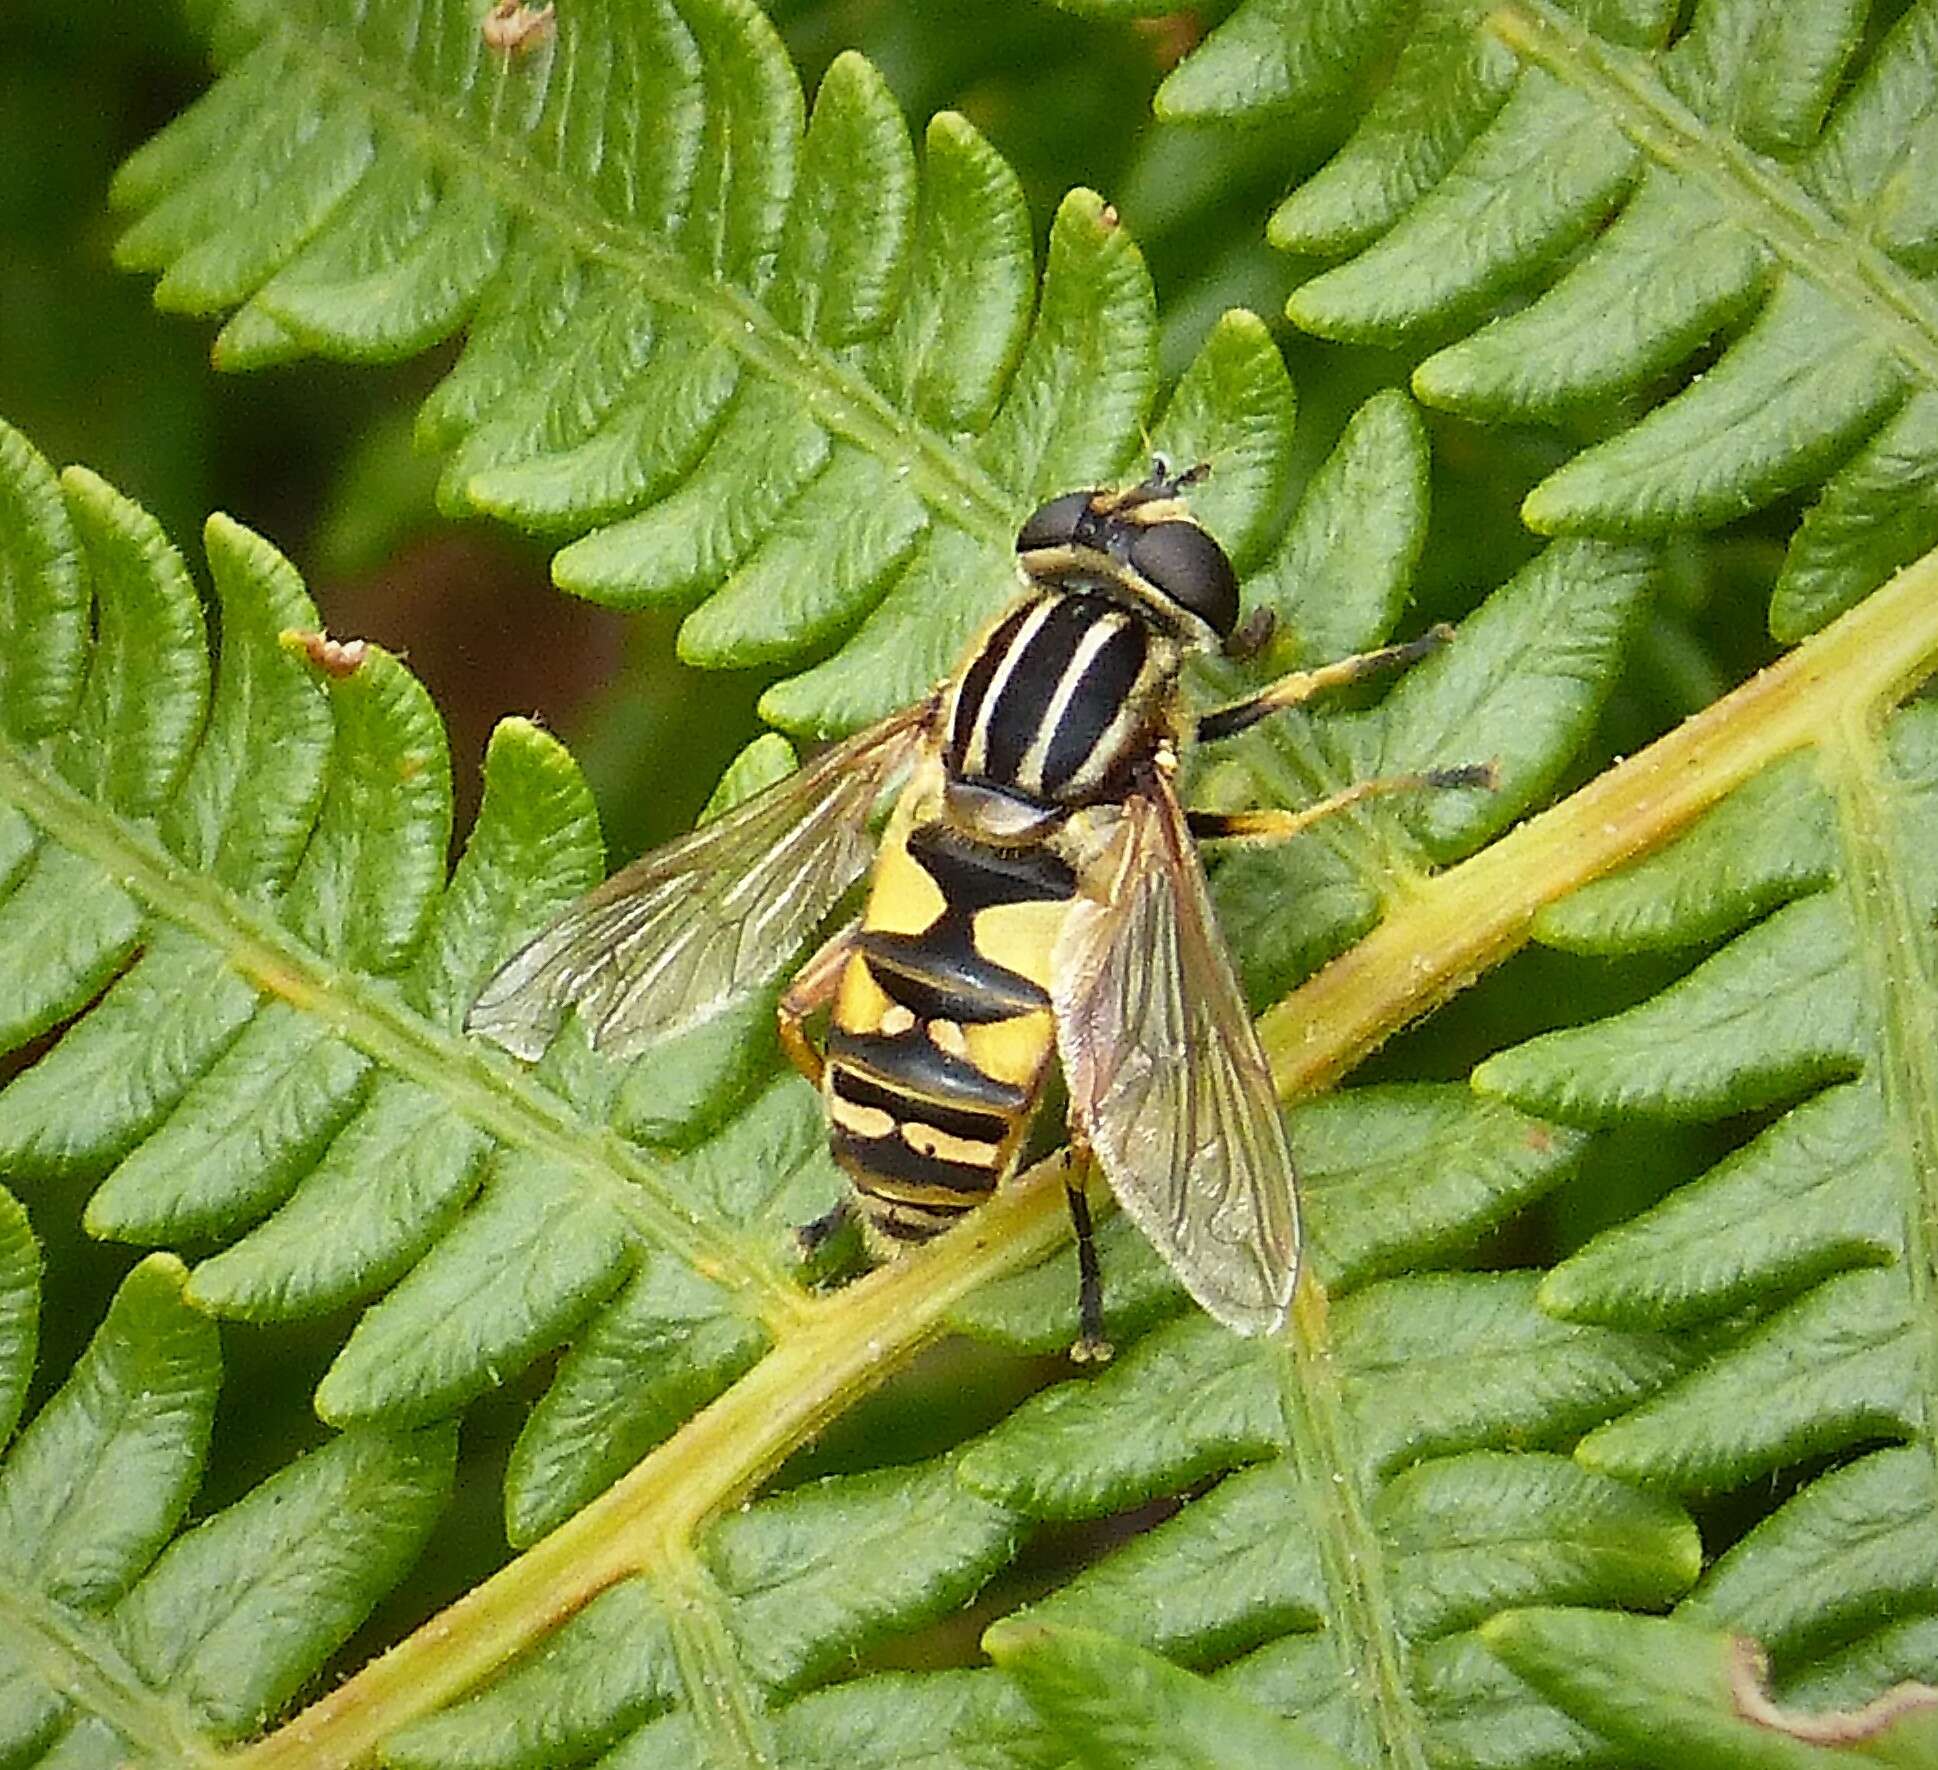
x=668, y=941
x=1166, y=1077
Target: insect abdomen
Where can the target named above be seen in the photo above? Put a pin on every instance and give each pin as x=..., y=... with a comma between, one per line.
x=942, y=1032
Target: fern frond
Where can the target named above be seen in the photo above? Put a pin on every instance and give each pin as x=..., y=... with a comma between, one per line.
x=251, y=909
x=1805, y=1248
x=1398, y=1427
x=124, y=1638
x=758, y=366
x=814, y=1576
x=754, y=363
x=319, y=966
x=1569, y=202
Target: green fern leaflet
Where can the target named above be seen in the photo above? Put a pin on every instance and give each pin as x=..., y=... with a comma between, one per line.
x=750, y=360
x=767, y=366
x=1572, y=202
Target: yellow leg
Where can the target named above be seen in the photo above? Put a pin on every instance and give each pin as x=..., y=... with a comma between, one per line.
x=812, y=990
x=1302, y=685
x=1276, y=826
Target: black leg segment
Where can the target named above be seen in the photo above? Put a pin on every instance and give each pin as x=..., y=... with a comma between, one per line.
x=811, y=1238
x=1091, y=1346
x=1302, y=685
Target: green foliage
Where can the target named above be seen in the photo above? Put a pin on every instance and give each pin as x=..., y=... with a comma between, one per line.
x=1570, y=202
x=126, y=1635
x=743, y=356
x=1803, y=1251
x=319, y=1075
x=757, y=365
x=238, y=880
x=1673, y=1695
x=1111, y=1707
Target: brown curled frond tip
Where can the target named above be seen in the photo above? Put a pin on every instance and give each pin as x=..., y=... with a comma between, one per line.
x=334, y=657
x=513, y=28
x=1749, y=1690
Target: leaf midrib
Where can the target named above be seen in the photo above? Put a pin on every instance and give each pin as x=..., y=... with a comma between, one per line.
x=1894, y=948
x=834, y=395
x=75, y=1659
x=374, y=1019
x=1363, y=1621
x=723, y=1702
x=1755, y=192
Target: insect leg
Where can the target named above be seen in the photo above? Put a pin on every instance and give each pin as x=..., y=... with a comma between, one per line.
x=1276, y=826
x=810, y=1238
x=1301, y=685
x=812, y=990
x=1091, y=1346
x=1253, y=635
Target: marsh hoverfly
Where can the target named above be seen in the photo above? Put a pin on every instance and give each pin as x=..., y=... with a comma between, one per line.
x=1036, y=892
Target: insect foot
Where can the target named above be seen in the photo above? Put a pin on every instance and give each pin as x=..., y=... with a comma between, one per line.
x=1090, y=1348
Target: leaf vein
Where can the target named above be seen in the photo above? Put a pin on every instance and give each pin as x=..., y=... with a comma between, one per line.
x=1762, y=197
x=836, y=395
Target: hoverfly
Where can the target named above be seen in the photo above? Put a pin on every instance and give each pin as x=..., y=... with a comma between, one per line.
x=1036, y=892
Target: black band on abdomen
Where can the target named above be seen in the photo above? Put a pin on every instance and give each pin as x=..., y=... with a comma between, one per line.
x=911, y=1062
x=873, y=1161
x=861, y=1090
x=937, y=977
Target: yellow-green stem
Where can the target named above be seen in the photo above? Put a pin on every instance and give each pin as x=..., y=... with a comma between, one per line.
x=814, y=1373
x=1466, y=920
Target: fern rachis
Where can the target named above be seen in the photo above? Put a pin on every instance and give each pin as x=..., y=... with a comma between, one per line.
x=781, y=372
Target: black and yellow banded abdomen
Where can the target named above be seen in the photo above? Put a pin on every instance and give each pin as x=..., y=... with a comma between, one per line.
x=941, y=1033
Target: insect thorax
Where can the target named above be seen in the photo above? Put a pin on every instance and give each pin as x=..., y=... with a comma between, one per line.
x=1068, y=694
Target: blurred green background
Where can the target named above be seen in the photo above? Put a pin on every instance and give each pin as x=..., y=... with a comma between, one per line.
x=318, y=457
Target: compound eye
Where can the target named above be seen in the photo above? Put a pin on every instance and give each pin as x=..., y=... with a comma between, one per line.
x=1183, y=561
x=1055, y=525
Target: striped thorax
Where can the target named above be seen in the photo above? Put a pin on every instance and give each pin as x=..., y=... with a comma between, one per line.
x=1061, y=702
